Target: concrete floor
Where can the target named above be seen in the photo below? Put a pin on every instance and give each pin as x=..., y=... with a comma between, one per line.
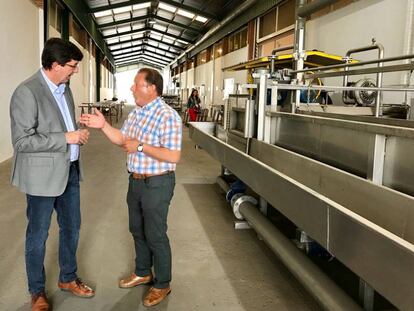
x=214, y=266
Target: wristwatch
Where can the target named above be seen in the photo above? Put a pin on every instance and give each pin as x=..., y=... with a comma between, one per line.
x=140, y=147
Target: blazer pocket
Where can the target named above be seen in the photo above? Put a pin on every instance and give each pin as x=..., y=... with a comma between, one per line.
x=40, y=161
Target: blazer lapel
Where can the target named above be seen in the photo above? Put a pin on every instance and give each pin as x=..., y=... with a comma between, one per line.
x=51, y=99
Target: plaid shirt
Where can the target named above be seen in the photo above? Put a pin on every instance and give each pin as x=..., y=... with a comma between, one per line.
x=155, y=124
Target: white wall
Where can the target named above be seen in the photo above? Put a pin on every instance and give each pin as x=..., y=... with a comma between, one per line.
x=354, y=26
x=124, y=81
x=20, y=58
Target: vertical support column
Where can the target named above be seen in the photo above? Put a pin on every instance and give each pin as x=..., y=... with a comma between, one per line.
x=375, y=174
x=98, y=74
x=262, y=105
x=299, y=50
x=46, y=5
x=65, y=24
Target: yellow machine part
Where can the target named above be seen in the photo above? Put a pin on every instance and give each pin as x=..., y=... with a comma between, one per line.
x=312, y=59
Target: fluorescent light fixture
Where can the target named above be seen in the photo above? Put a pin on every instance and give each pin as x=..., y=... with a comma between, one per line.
x=201, y=19
x=185, y=13
x=103, y=13
x=167, y=7
x=182, y=41
x=122, y=10
x=141, y=6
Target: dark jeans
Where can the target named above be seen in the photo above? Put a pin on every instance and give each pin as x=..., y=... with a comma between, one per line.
x=39, y=212
x=148, y=202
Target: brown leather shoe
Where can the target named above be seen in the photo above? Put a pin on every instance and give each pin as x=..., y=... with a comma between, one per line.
x=134, y=280
x=78, y=288
x=155, y=296
x=39, y=302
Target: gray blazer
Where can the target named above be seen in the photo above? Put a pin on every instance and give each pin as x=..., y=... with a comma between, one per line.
x=41, y=157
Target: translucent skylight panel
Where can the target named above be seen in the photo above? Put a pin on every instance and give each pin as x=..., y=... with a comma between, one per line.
x=122, y=16
x=138, y=36
x=126, y=45
x=167, y=7
x=155, y=36
x=112, y=40
x=141, y=6
x=124, y=29
x=174, y=32
x=105, y=19
x=102, y=13
x=139, y=13
x=137, y=48
x=122, y=10
x=163, y=46
x=125, y=38
x=201, y=19
x=169, y=55
x=185, y=13
x=108, y=32
x=117, y=52
x=115, y=47
x=168, y=40
x=165, y=14
x=138, y=42
x=160, y=27
x=151, y=49
x=138, y=26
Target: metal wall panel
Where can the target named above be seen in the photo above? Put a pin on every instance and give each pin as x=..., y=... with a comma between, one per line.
x=399, y=164
x=387, y=208
x=384, y=262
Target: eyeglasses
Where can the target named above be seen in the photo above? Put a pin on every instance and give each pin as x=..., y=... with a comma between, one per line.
x=73, y=66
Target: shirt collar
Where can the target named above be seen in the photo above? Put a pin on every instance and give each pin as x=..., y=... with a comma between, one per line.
x=55, y=89
x=148, y=107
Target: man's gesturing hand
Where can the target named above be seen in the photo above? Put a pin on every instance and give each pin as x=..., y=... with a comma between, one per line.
x=96, y=120
x=79, y=137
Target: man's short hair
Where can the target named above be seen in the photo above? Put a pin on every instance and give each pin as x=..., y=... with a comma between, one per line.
x=152, y=76
x=60, y=51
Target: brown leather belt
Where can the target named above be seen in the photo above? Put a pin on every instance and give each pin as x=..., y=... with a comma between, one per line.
x=145, y=176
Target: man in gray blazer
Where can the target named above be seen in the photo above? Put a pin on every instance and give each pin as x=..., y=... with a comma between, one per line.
x=46, y=167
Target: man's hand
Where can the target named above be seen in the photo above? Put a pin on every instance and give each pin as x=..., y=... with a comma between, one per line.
x=96, y=120
x=130, y=145
x=79, y=137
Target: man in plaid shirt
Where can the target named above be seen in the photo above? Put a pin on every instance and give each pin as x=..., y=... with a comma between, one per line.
x=151, y=135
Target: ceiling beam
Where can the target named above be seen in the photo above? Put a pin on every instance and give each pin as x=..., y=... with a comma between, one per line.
x=140, y=61
x=140, y=18
x=160, y=62
x=141, y=51
x=147, y=29
x=172, y=3
x=139, y=45
x=180, y=48
x=142, y=54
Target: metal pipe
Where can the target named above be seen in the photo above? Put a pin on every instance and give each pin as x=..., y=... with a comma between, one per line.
x=272, y=59
x=373, y=46
x=392, y=68
x=313, y=7
x=209, y=33
x=319, y=285
x=341, y=88
x=325, y=291
x=375, y=61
